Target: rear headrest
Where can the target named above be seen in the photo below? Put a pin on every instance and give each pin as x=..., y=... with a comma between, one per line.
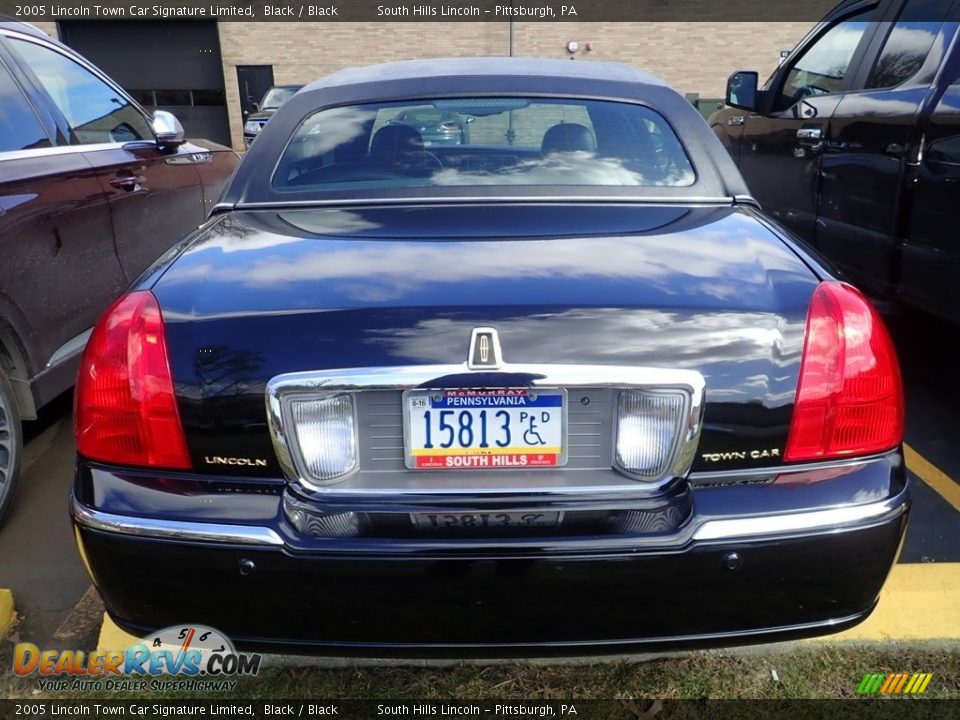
x=393, y=142
x=568, y=137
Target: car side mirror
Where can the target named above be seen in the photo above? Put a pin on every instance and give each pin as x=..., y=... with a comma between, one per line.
x=168, y=129
x=742, y=90
x=255, y=106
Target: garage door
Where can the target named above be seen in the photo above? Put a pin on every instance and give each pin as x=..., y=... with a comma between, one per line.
x=172, y=66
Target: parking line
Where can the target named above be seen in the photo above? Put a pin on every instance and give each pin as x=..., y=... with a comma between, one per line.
x=939, y=481
x=919, y=602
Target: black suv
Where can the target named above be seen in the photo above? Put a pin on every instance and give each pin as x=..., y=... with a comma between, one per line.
x=854, y=143
x=92, y=190
x=265, y=109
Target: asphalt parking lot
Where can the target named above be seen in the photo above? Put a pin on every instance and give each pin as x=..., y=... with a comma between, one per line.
x=59, y=609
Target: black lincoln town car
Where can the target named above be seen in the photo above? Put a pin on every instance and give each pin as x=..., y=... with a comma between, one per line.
x=560, y=388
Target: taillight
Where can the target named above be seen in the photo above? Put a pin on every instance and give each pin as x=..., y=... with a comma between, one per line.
x=125, y=409
x=849, y=397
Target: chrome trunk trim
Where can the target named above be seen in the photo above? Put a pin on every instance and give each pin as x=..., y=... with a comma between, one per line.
x=353, y=380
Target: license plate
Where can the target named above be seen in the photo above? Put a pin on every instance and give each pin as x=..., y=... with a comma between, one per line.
x=494, y=429
x=467, y=521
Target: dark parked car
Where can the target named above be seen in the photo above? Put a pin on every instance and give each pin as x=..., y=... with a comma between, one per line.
x=854, y=143
x=564, y=392
x=265, y=109
x=92, y=190
x=436, y=127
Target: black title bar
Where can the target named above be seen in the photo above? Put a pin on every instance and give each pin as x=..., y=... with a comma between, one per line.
x=421, y=11
x=41, y=708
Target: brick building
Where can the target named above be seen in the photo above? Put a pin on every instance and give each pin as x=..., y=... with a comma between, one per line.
x=693, y=57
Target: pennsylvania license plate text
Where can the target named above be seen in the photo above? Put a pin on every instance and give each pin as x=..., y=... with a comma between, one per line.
x=484, y=429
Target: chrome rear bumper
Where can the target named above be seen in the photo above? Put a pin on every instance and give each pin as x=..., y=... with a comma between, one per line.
x=700, y=529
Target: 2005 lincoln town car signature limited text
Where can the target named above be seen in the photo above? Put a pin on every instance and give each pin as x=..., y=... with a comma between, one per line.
x=557, y=388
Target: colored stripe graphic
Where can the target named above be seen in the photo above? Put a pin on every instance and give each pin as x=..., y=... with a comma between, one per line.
x=870, y=683
x=891, y=679
x=901, y=681
x=864, y=687
x=878, y=681
x=894, y=684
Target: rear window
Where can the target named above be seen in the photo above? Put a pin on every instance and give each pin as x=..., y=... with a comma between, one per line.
x=483, y=141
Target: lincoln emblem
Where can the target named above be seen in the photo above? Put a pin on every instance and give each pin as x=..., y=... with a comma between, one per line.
x=484, y=351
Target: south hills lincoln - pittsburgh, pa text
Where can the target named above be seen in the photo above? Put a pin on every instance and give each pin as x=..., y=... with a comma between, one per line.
x=137, y=11
x=498, y=11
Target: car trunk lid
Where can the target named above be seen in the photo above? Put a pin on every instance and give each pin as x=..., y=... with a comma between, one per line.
x=263, y=293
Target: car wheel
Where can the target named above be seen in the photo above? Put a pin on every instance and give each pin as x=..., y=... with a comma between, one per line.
x=11, y=445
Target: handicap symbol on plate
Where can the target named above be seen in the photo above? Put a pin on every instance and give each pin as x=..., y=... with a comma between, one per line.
x=531, y=436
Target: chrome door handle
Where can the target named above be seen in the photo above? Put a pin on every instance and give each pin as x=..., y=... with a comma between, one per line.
x=809, y=133
x=197, y=158
x=129, y=183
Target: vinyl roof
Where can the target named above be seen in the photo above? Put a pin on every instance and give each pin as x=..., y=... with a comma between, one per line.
x=433, y=68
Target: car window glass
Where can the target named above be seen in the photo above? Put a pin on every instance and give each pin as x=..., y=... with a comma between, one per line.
x=946, y=150
x=522, y=126
x=95, y=111
x=824, y=64
x=483, y=141
x=276, y=97
x=19, y=127
x=909, y=42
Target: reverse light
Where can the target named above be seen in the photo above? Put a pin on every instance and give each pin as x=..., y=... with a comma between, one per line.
x=648, y=428
x=326, y=435
x=849, y=396
x=125, y=409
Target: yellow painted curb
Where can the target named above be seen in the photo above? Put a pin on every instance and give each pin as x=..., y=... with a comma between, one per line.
x=8, y=612
x=113, y=638
x=919, y=602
